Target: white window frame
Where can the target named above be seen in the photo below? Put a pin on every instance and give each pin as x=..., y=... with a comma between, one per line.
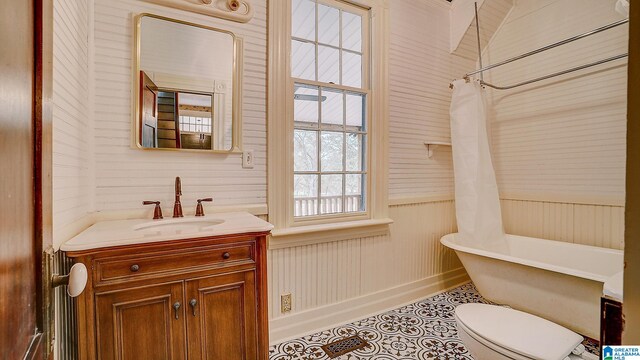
x=364, y=90
x=290, y=231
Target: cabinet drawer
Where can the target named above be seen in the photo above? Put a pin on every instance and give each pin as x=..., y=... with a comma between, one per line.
x=162, y=264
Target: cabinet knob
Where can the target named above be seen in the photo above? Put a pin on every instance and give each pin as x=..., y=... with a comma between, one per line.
x=226, y=255
x=135, y=267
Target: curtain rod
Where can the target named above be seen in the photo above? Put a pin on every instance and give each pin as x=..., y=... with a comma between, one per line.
x=550, y=46
x=555, y=74
x=475, y=4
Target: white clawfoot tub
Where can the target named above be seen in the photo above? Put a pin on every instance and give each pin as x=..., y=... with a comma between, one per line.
x=561, y=282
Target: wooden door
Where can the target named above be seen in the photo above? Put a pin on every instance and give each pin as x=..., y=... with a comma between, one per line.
x=20, y=247
x=148, y=112
x=141, y=323
x=222, y=320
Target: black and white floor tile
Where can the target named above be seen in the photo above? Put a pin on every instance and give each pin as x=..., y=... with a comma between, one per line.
x=423, y=330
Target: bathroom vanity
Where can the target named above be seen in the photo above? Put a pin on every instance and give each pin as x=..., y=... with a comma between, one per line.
x=188, y=288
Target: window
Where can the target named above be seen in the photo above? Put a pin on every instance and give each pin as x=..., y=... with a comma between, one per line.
x=194, y=113
x=195, y=124
x=327, y=120
x=329, y=71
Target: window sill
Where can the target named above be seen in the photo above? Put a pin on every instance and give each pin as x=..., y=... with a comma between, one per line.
x=316, y=234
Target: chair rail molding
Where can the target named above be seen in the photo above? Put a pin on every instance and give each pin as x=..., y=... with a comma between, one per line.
x=235, y=10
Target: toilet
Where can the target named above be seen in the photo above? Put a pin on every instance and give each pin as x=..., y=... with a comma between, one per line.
x=492, y=332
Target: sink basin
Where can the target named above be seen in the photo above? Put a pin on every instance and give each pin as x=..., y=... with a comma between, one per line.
x=180, y=224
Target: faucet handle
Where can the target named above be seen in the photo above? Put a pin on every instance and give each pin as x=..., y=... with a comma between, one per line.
x=157, y=212
x=200, y=208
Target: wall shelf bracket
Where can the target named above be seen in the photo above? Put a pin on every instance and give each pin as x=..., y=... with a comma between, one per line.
x=433, y=145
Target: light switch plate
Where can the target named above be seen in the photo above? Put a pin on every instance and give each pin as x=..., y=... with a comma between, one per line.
x=247, y=159
x=285, y=302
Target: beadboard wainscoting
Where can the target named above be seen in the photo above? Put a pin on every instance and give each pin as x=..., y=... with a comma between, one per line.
x=587, y=224
x=335, y=282
x=332, y=283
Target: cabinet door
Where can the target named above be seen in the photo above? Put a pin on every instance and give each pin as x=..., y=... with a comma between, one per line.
x=222, y=317
x=141, y=323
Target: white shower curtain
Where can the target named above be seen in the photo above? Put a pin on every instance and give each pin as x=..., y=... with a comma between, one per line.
x=476, y=191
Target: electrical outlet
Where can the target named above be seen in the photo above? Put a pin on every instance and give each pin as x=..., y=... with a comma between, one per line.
x=247, y=159
x=285, y=303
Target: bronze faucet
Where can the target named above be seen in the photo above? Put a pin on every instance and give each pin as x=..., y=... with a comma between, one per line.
x=200, y=208
x=157, y=212
x=177, y=206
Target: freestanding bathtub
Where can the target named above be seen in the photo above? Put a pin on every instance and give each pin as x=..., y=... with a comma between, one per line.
x=561, y=282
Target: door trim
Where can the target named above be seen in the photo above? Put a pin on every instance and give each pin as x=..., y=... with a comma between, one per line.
x=42, y=342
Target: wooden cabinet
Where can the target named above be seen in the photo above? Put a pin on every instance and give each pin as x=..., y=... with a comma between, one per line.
x=230, y=334
x=141, y=323
x=189, y=299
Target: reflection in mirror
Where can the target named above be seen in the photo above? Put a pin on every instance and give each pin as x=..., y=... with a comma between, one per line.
x=186, y=86
x=194, y=112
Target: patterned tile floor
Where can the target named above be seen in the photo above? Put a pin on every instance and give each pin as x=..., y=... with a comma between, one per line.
x=423, y=330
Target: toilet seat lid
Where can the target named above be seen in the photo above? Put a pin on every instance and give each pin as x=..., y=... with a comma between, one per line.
x=517, y=331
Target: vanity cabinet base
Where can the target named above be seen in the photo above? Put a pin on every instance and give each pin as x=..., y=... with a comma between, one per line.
x=140, y=323
x=187, y=299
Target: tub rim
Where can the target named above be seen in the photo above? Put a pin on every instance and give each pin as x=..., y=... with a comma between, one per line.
x=449, y=241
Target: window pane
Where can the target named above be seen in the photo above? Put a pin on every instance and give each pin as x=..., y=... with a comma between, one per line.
x=332, y=107
x=355, y=112
x=328, y=25
x=331, y=153
x=303, y=60
x=305, y=150
x=351, y=31
x=328, y=64
x=329, y=124
x=305, y=104
x=354, y=196
x=305, y=193
x=351, y=69
x=355, y=152
x=331, y=194
x=303, y=19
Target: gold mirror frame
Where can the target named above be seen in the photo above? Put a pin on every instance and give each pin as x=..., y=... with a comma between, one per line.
x=236, y=108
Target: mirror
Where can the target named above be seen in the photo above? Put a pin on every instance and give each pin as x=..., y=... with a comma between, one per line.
x=186, y=88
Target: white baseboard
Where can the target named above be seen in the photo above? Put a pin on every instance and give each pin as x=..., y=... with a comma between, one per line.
x=313, y=320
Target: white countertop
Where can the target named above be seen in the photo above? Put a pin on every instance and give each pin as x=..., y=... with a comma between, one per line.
x=138, y=231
